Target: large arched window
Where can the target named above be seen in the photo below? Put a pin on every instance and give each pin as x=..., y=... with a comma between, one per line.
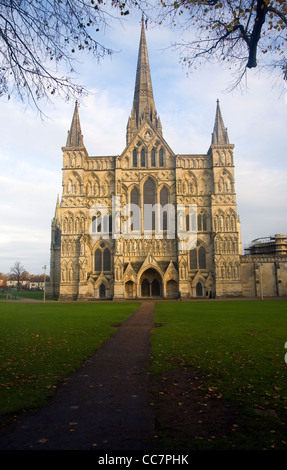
x=193, y=258
x=102, y=258
x=98, y=260
x=164, y=194
x=197, y=258
x=149, y=192
x=135, y=211
x=134, y=197
x=201, y=258
x=149, y=200
x=106, y=260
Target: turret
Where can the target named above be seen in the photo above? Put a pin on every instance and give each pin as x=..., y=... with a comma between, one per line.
x=219, y=135
x=75, y=137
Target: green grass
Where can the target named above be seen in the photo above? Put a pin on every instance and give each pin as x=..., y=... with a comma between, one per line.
x=42, y=343
x=239, y=347
x=27, y=294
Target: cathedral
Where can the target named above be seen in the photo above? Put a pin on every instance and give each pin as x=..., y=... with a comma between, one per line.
x=147, y=222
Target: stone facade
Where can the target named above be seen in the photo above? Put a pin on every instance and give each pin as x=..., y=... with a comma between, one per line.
x=263, y=268
x=264, y=276
x=102, y=248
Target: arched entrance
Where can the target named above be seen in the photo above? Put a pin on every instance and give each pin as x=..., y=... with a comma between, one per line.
x=102, y=291
x=130, y=289
x=151, y=283
x=171, y=289
x=199, y=290
x=145, y=288
x=155, y=288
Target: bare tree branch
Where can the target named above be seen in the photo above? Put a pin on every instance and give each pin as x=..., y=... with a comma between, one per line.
x=18, y=272
x=38, y=39
x=247, y=33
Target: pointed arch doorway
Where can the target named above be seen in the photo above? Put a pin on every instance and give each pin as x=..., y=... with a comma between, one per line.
x=102, y=291
x=151, y=283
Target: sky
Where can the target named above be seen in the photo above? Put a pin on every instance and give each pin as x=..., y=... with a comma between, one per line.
x=31, y=155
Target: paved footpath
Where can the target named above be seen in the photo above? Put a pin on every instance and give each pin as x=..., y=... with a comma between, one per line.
x=103, y=406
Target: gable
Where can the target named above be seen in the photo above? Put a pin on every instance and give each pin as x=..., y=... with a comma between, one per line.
x=148, y=144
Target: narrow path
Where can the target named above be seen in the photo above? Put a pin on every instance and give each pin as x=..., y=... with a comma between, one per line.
x=105, y=405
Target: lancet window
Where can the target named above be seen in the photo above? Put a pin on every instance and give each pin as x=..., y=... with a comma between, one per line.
x=135, y=157
x=164, y=198
x=161, y=155
x=149, y=199
x=197, y=257
x=102, y=258
x=153, y=157
x=201, y=221
x=143, y=157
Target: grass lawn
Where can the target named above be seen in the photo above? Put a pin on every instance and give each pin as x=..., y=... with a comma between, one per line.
x=238, y=347
x=28, y=294
x=42, y=343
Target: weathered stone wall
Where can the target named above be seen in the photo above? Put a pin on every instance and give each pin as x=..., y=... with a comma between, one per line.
x=263, y=276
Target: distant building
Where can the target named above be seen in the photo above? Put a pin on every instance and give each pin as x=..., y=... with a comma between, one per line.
x=276, y=245
x=34, y=282
x=13, y=283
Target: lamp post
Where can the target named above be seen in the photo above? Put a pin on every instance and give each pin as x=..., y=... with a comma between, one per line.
x=45, y=267
x=261, y=280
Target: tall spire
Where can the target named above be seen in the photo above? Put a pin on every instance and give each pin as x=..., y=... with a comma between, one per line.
x=219, y=135
x=57, y=207
x=143, y=102
x=75, y=137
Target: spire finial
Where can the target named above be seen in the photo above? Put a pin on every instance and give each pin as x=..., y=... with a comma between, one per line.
x=75, y=137
x=219, y=135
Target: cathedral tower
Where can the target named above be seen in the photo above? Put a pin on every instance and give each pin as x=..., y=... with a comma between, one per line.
x=225, y=221
x=118, y=229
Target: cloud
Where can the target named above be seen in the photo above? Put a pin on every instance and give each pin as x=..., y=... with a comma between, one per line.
x=262, y=200
x=27, y=204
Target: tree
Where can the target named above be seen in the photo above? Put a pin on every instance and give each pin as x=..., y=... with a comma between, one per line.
x=37, y=37
x=40, y=39
x=19, y=273
x=3, y=280
x=248, y=33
